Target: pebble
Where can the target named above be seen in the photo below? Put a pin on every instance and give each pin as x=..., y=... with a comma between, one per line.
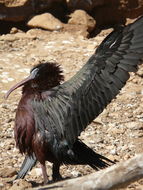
x=113, y=152
x=5, y=106
x=4, y=81
x=36, y=171
x=92, y=142
x=21, y=184
x=4, y=91
x=13, y=30
x=4, y=73
x=66, y=42
x=7, y=172
x=133, y=125
x=24, y=70
x=10, y=79
x=75, y=173
x=1, y=185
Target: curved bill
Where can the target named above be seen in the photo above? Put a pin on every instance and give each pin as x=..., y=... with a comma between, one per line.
x=19, y=84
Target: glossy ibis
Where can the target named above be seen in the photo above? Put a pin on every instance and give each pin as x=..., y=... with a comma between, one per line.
x=51, y=115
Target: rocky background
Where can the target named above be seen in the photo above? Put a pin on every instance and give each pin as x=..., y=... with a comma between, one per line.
x=32, y=31
x=96, y=14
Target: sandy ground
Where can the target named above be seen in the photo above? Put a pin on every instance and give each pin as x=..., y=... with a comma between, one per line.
x=116, y=133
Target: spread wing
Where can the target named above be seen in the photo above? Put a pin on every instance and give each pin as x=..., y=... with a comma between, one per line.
x=70, y=107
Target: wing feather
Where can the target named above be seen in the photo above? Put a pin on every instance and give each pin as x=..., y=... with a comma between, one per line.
x=75, y=103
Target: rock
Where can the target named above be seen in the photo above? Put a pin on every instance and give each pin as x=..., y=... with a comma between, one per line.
x=113, y=157
x=21, y=184
x=140, y=72
x=36, y=172
x=45, y=21
x=116, y=131
x=8, y=172
x=75, y=173
x=80, y=17
x=113, y=151
x=1, y=185
x=134, y=125
x=14, y=30
x=79, y=30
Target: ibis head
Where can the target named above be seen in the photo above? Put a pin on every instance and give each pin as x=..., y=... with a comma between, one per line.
x=42, y=77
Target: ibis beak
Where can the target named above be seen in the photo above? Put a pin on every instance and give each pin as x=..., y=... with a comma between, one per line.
x=21, y=83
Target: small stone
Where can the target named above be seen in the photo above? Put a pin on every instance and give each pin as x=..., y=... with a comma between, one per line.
x=113, y=152
x=5, y=73
x=14, y=30
x=1, y=185
x=5, y=106
x=36, y=172
x=75, y=173
x=8, y=172
x=116, y=131
x=10, y=79
x=133, y=125
x=21, y=184
x=4, y=91
x=4, y=81
x=92, y=142
x=111, y=157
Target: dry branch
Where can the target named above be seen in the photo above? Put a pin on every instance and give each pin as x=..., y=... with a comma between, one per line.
x=113, y=177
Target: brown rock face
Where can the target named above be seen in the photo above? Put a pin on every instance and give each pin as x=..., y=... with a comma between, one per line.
x=105, y=12
x=19, y=10
x=15, y=10
x=117, y=11
x=87, y=5
x=111, y=11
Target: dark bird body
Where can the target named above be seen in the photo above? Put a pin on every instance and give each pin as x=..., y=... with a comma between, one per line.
x=51, y=116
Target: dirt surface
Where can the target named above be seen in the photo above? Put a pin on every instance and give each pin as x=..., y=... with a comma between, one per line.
x=117, y=133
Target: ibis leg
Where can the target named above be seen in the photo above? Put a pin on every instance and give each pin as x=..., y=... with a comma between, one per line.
x=44, y=172
x=56, y=173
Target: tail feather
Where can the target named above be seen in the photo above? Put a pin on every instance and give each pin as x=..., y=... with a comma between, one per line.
x=86, y=156
x=28, y=163
x=82, y=155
